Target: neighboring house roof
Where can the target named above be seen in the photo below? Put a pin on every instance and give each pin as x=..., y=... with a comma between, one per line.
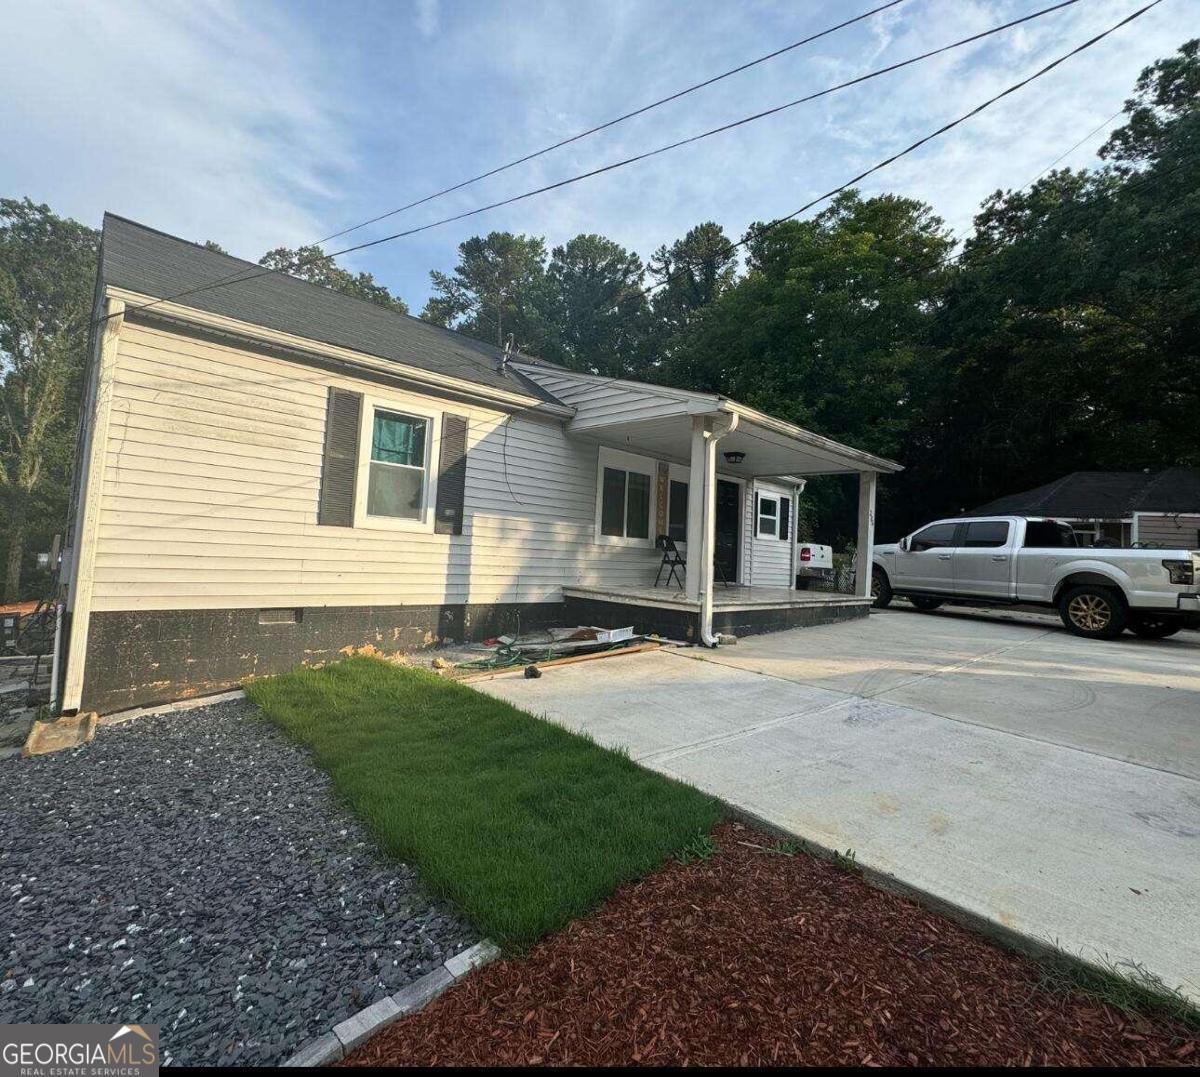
x=153, y=263
x=1103, y=495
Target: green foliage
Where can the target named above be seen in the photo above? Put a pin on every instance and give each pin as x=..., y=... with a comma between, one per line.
x=596, y=314
x=522, y=823
x=493, y=291
x=47, y=273
x=699, y=848
x=1126, y=985
x=316, y=267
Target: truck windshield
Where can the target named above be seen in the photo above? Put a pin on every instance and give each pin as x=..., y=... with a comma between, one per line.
x=1049, y=535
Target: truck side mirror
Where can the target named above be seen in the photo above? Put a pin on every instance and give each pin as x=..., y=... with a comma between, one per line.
x=904, y=544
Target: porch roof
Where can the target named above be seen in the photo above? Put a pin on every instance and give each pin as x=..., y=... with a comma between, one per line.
x=657, y=421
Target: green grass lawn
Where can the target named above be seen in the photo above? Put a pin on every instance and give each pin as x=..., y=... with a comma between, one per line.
x=523, y=824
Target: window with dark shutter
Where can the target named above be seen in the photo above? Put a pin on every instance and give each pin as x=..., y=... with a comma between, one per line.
x=785, y=518
x=452, y=476
x=339, y=468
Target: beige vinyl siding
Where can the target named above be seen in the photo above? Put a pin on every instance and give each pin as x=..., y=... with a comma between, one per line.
x=769, y=559
x=1175, y=530
x=211, y=489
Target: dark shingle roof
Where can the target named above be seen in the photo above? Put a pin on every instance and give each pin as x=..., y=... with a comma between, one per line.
x=1103, y=495
x=153, y=263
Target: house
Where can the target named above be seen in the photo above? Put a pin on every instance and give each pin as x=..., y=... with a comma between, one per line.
x=1160, y=508
x=273, y=473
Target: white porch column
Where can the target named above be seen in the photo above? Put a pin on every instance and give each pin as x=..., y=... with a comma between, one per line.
x=866, y=532
x=695, y=512
x=702, y=514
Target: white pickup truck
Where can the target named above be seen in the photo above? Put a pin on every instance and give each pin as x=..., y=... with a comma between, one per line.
x=813, y=562
x=1005, y=560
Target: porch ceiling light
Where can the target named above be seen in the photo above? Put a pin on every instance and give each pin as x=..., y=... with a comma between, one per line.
x=735, y=457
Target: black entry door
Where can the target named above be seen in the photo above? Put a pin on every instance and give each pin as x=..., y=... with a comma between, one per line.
x=729, y=530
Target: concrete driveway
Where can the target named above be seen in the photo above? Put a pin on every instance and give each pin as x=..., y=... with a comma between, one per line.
x=1048, y=783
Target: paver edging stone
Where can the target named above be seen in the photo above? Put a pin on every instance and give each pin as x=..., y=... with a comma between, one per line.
x=348, y=1034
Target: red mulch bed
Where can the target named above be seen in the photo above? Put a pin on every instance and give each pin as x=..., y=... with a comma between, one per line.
x=753, y=958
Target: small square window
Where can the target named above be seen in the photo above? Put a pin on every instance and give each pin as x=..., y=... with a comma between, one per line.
x=768, y=516
x=398, y=477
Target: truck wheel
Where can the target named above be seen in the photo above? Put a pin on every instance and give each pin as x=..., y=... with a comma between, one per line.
x=1092, y=611
x=925, y=605
x=881, y=590
x=1154, y=628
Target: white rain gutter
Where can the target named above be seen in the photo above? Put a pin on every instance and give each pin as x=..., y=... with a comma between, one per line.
x=717, y=429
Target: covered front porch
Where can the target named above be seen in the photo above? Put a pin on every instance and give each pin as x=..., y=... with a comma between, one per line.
x=737, y=610
x=719, y=481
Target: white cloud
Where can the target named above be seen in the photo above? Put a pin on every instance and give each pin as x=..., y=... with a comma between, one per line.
x=257, y=124
x=428, y=15
x=197, y=116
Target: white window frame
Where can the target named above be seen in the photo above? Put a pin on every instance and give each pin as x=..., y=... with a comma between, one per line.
x=641, y=465
x=433, y=437
x=759, y=498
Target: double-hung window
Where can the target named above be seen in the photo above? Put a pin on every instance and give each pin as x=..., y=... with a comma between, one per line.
x=626, y=497
x=767, y=525
x=398, y=483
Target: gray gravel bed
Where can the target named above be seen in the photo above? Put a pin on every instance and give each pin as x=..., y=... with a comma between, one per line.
x=195, y=871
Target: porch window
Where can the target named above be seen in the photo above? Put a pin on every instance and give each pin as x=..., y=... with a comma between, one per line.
x=625, y=504
x=399, y=473
x=767, y=517
x=677, y=507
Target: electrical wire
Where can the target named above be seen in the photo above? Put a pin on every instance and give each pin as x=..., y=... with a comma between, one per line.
x=317, y=259
x=613, y=165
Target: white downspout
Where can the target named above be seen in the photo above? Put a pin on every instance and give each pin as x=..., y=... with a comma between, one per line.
x=714, y=430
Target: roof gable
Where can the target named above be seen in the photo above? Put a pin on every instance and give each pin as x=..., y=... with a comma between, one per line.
x=153, y=263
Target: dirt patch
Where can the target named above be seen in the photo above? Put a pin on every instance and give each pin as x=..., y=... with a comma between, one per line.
x=752, y=957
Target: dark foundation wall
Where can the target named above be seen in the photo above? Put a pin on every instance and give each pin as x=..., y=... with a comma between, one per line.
x=684, y=625
x=140, y=658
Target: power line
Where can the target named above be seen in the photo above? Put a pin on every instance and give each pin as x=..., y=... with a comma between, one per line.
x=750, y=236
x=927, y=138
x=620, y=119
x=654, y=152
x=316, y=259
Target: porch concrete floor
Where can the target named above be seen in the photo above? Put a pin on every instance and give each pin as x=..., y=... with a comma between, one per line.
x=1048, y=783
x=734, y=597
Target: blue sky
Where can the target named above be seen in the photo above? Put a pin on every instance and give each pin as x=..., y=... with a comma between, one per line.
x=258, y=123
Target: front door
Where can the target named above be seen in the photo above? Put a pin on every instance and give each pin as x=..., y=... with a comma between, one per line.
x=728, y=531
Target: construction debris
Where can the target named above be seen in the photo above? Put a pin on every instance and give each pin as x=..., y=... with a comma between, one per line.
x=541, y=648
x=47, y=737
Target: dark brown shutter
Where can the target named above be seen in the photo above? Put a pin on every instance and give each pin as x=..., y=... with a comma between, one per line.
x=339, y=469
x=785, y=517
x=452, y=476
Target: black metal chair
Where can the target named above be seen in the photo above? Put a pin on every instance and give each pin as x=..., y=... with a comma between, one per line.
x=672, y=559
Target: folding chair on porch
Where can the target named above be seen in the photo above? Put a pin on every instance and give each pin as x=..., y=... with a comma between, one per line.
x=672, y=559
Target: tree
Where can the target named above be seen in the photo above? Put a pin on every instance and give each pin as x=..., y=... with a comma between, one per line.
x=826, y=328
x=213, y=245
x=596, y=314
x=313, y=265
x=1071, y=335
x=47, y=274
x=495, y=290
x=691, y=273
